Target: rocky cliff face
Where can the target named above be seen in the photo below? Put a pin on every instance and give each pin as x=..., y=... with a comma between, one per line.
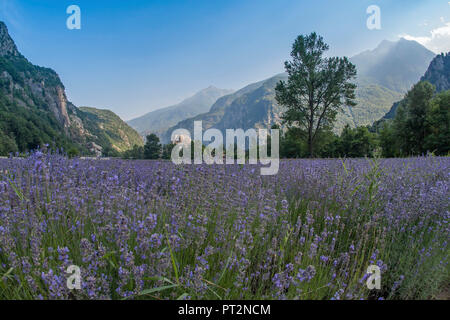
x=7, y=45
x=439, y=72
x=28, y=85
x=35, y=110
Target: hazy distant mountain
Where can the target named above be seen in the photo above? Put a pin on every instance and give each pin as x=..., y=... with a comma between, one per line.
x=34, y=109
x=250, y=107
x=254, y=106
x=160, y=120
x=393, y=65
x=373, y=101
x=438, y=74
x=254, y=109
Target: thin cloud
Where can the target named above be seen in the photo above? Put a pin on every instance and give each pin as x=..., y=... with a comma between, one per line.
x=9, y=13
x=438, y=41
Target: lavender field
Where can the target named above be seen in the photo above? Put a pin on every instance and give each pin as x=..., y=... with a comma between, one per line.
x=153, y=230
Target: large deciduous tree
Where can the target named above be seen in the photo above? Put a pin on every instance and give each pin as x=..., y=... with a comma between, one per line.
x=317, y=87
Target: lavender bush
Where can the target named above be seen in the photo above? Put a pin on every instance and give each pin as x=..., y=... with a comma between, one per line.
x=153, y=230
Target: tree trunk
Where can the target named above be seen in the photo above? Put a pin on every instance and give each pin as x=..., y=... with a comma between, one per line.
x=310, y=147
x=310, y=138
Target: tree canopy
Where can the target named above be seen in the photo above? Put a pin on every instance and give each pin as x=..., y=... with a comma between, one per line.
x=421, y=124
x=152, y=148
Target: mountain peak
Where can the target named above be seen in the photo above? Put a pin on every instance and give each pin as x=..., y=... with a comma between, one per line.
x=386, y=44
x=394, y=65
x=7, y=45
x=210, y=92
x=214, y=89
x=404, y=40
x=160, y=120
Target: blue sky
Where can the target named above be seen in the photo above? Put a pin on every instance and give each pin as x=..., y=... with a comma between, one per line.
x=135, y=56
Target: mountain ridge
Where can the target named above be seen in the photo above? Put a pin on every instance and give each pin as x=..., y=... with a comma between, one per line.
x=160, y=120
x=219, y=108
x=113, y=129
x=394, y=65
x=7, y=45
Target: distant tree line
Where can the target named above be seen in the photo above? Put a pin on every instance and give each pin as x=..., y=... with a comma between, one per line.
x=351, y=143
x=152, y=150
x=421, y=124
